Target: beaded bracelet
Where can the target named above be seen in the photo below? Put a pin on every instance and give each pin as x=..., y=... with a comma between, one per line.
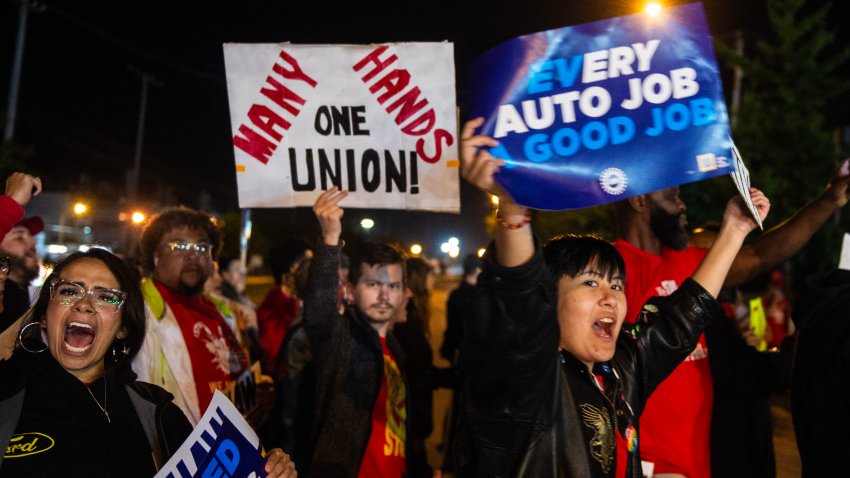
x=509, y=226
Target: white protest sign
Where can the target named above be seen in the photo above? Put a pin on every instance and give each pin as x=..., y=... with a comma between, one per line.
x=222, y=444
x=741, y=176
x=377, y=120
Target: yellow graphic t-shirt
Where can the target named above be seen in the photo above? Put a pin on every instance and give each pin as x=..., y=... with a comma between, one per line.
x=384, y=455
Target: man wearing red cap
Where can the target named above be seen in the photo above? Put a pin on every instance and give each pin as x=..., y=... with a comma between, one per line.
x=18, y=245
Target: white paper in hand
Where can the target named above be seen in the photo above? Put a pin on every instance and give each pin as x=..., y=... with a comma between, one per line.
x=844, y=262
x=741, y=176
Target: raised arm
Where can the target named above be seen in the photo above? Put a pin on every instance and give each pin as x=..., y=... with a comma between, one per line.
x=514, y=242
x=320, y=298
x=783, y=241
x=20, y=188
x=737, y=223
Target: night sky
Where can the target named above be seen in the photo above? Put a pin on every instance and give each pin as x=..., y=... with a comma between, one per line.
x=79, y=99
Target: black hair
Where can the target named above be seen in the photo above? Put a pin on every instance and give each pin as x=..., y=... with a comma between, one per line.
x=284, y=255
x=132, y=311
x=372, y=254
x=176, y=218
x=571, y=254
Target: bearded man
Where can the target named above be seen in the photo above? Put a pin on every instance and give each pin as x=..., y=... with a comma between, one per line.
x=680, y=437
x=190, y=347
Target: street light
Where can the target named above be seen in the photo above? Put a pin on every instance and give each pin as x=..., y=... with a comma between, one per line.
x=653, y=8
x=137, y=217
x=78, y=209
x=416, y=249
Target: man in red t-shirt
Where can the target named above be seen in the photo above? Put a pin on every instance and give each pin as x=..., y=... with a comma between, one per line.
x=190, y=348
x=360, y=426
x=675, y=428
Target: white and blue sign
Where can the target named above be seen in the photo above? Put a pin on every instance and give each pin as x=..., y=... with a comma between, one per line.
x=222, y=445
x=595, y=113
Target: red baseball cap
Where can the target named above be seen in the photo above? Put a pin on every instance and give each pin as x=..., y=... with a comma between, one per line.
x=34, y=224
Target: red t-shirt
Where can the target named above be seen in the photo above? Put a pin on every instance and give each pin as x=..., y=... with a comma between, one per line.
x=384, y=455
x=217, y=358
x=274, y=316
x=676, y=423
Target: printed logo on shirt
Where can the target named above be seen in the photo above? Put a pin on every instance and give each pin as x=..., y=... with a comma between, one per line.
x=26, y=444
x=631, y=439
x=396, y=409
x=218, y=348
x=601, y=445
x=666, y=288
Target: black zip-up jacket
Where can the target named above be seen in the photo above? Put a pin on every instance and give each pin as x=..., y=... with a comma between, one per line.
x=533, y=412
x=349, y=371
x=164, y=424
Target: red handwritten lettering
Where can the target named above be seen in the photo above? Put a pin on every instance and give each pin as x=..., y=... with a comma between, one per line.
x=412, y=117
x=254, y=144
x=373, y=57
x=265, y=119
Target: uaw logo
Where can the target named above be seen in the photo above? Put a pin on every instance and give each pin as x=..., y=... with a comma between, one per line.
x=709, y=162
x=26, y=444
x=613, y=181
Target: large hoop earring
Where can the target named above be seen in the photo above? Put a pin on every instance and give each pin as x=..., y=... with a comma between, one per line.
x=21, y=338
x=124, y=351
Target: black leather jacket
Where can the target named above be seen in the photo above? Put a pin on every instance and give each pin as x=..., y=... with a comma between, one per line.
x=531, y=411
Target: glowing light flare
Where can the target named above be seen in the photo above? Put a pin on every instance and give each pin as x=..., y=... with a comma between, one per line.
x=416, y=249
x=57, y=249
x=494, y=200
x=454, y=242
x=367, y=223
x=481, y=252
x=653, y=8
x=444, y=247
x=137, y=217
x=80, y=208
x=454, y=251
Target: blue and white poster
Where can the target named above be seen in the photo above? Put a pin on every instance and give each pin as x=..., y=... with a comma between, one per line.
x=222, y=445
x=599, y=112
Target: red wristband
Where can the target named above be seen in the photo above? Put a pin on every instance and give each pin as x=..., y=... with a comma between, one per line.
x=517, y=225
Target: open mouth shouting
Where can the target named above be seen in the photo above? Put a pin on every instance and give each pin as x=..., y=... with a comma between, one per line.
x=79, y=337
x=604, y=328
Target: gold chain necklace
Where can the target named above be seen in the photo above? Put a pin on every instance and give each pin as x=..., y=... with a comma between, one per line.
x=103, y=408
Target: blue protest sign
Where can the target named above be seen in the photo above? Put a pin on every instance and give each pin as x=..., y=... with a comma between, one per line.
x=599, y=112
x=222, y=445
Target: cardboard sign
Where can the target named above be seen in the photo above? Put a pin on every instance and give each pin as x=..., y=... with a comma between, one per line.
x=598, y=112
x=222, y=444
x=377, y=120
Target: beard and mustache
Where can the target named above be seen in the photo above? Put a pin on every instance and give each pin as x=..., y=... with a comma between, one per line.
x=668, y=228
x=26, y=268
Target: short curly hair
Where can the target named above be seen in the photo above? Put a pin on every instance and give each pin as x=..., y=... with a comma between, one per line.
x=175, y=218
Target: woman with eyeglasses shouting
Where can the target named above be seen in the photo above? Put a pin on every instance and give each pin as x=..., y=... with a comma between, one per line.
x=70, y=404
